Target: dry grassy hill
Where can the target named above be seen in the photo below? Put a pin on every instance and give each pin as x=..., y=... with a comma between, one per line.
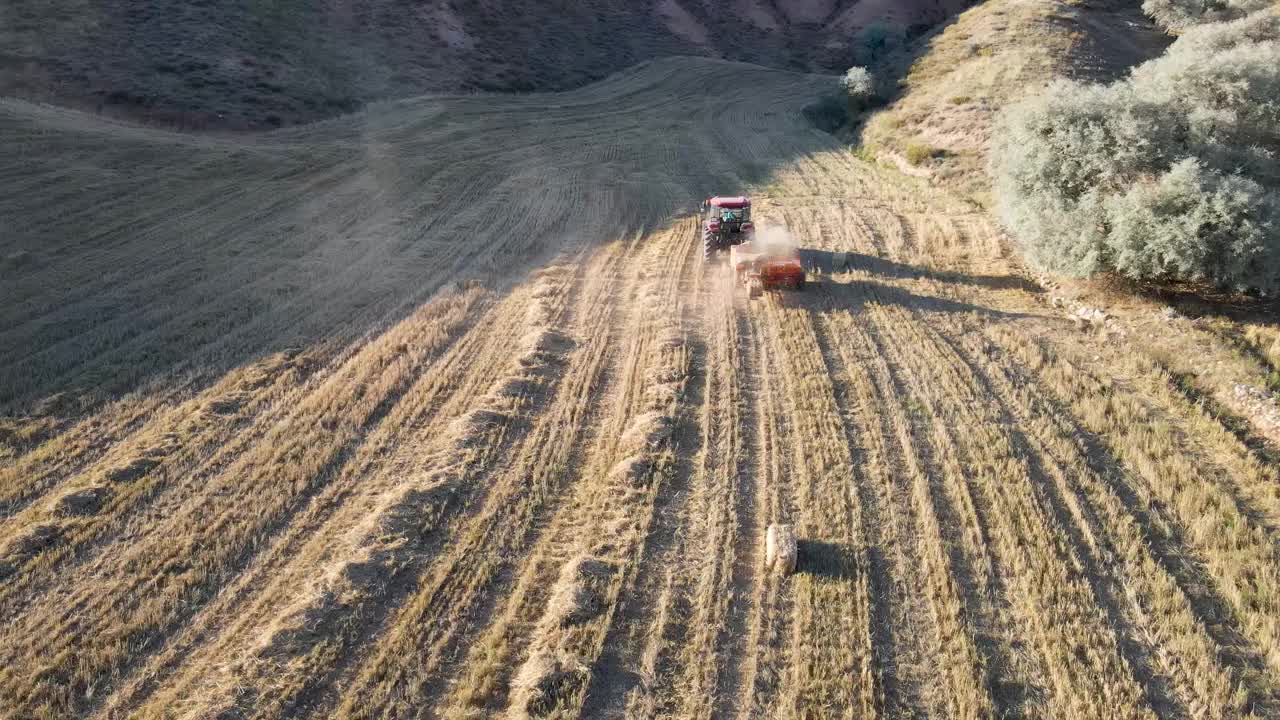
x=260, y=63
x=433, y=410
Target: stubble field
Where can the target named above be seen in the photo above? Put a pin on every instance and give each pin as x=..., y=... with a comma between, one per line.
x=435, y=411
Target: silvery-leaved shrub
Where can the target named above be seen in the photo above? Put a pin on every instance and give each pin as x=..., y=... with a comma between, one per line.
x=1178, y=15
x=1171, y=174
x=859, y=83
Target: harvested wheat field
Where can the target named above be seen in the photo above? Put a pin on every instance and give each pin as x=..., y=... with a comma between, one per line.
x=434, y=411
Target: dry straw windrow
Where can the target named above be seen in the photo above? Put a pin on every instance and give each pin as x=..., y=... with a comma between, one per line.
x=604, y=525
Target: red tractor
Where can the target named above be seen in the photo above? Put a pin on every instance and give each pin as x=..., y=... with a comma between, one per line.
x=726, y=221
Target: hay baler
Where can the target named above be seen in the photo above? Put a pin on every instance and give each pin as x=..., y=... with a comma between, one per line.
x=763, y=267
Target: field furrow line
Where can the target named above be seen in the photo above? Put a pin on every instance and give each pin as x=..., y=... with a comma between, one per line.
x=835, y=662
x=1167, y=627
x=538, y=654
x=942, y=498
x=475, y=555
x=1219, y=559
x=767, y=652
x=910, y=539
x=1087, y=673
x=80, y=506
x=436, y=450
x=1247, y=474
x=746, y=532
x=244, y=506
x=1095, y=565
x=172, y=468
x=122, y=430
x=637, y=667
x=63, y=341
x=718, y=567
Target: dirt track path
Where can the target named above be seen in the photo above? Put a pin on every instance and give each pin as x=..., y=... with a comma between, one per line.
x=436, y=412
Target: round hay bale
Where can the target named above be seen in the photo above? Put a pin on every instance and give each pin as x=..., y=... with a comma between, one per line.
x=780, y=549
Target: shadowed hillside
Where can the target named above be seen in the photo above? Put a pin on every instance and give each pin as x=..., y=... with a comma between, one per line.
x=253, y=63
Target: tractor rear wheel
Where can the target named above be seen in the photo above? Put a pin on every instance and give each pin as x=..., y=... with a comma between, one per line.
x=709, y=247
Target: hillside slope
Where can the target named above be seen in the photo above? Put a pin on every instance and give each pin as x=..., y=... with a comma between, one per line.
x=436, y=411
x=261, y=64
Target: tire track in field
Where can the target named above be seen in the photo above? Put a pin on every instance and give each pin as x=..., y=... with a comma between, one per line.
x=835, y=660
x=747, y=529
x=924, y=555
x=767, y=653
x=1164, y=625
x=1015, y=677
x=1157, y=471
x=895, y=618
x=1048, y=479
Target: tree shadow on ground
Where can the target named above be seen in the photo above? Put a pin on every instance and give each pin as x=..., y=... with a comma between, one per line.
x=828, y=262
x=825, y=294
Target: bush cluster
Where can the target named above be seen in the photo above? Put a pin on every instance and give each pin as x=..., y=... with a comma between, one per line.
x=1178, y=15
x=1171, y=174
x=834, y=110
x=858, y=83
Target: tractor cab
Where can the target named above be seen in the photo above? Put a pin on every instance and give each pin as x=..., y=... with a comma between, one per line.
x=726, y=221
x=730, y=211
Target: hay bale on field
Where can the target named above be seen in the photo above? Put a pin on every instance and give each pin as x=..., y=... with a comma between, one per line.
x=546, y=682
x=580, y=591
x=647, y=430
x=780, y=549
x=85, y=501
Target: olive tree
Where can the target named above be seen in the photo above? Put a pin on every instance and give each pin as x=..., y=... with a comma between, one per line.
x=1178, y=15
x=860, y=85
x=1171, y=174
